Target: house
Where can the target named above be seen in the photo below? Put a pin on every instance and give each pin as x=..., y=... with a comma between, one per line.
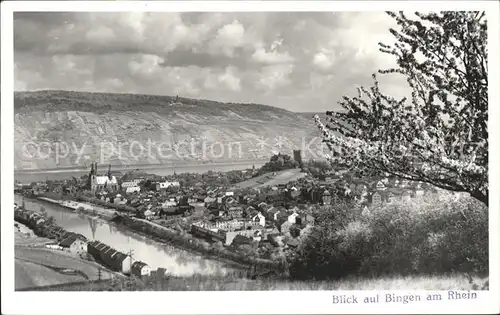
x=132, y=189
x=166, y=184
x=130, y=183
x=304, y=219
x=258, y=217
x=135, y=202
x=275, y=239
x=239, y=240
x=205, y=233
x=380, y=185
x=39, y=222
x=292, y=242
x=257, y=236
x=135, y=176
x=405, y=195
x=110, y=257
x=229, y=200
x=366, y=211
x=120, y=200
x=57, y=232
x=326, y=198
x=377, y=198
x=75, y=244
x=294, y=192
x=234, y=212
x=162, y=185
x=160, y=273
x=284, y=226
x=292, y=218
x=170, y=203
x=250, y=211
x=360, y=187
x=208, y=200
x=272, y=213
x=140, y=269
x=262, y=206
x=148, y=214
x=295, y=230
x=53, y=246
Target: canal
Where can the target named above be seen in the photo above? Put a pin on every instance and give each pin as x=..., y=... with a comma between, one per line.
x=178, y=262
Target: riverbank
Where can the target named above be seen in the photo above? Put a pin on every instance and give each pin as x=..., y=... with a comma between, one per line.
x=85, y=208
x=141, y=167
x=165, y=235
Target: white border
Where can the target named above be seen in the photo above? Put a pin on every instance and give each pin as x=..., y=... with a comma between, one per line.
x=289, y=302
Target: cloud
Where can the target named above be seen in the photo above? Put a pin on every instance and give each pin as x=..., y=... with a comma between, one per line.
x=285, y=59
x=229, y=37
x=322, y=61
x=230, y=80
x=272, y=56
x=274, y=77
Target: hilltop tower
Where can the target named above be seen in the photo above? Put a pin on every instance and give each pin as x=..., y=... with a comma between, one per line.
x=297, y=156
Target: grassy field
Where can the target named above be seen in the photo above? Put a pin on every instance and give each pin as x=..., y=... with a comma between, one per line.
x=202, y=283
x=281, y=177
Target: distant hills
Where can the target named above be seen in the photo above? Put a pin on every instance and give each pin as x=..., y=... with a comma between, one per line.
x=85, y=126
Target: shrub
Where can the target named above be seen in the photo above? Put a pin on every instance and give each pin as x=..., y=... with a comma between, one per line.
x=435, y=234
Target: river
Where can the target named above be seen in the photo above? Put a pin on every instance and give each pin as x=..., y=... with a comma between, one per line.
x=41, y=175
x=177, y=261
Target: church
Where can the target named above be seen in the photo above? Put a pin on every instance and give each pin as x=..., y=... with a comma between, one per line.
x=102, y=182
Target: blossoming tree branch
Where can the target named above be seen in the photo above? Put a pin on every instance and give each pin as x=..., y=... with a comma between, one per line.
x=439, y=135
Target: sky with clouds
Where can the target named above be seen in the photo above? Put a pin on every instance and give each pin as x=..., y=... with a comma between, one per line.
x=298, y=61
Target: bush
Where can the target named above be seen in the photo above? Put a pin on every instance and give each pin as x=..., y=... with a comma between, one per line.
x=435, y=234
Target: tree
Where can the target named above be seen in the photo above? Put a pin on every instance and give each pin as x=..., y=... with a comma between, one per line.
x=50, y=220
x=441, y=135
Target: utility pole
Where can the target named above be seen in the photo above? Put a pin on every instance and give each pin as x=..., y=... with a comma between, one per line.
x=130, y=253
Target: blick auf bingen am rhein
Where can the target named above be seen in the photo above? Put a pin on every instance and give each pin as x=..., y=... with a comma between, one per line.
x=252, y=151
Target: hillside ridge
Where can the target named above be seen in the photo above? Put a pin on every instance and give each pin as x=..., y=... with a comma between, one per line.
x=191, y=130
x=103, y=100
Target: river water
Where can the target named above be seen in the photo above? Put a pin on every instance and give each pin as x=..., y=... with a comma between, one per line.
x=177, y=261
x=32, y=176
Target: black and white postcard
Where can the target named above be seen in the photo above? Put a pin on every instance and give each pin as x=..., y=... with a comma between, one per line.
x=250, y=157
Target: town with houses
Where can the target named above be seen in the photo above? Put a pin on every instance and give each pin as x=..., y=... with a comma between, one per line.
x=236, y=210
